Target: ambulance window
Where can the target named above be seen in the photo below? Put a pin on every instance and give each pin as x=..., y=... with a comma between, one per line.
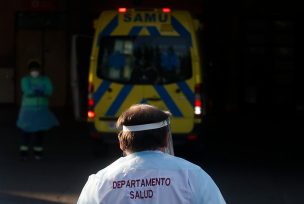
x=144, y=59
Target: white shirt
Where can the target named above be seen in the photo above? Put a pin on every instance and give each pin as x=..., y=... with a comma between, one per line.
x=151, y=177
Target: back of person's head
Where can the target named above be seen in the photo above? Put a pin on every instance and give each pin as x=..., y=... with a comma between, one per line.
x=34, y=65
x=141, y=114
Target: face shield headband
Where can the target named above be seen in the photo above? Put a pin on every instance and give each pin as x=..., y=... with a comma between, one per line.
x=150, y=126
x=134, y=128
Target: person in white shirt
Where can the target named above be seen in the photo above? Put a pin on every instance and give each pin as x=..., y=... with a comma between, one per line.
x=148, y=174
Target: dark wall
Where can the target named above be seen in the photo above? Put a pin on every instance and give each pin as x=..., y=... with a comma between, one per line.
x=253, y=52
x=251, y=48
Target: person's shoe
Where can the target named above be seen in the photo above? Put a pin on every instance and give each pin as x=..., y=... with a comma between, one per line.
x=38, y=156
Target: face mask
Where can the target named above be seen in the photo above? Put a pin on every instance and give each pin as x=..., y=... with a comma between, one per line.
x=34, y=74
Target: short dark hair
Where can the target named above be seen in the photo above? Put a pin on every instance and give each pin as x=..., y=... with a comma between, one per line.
x=34, y=65
x=140, y=114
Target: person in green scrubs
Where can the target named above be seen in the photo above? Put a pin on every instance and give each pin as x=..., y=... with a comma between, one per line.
x=35, y=118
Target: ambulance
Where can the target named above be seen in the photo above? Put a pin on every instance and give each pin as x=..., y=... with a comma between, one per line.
x=146, y=56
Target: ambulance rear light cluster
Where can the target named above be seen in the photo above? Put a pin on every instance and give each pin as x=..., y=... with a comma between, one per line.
x=124, y=10
x=91, y=103
x=91, y=114
x=198, y=101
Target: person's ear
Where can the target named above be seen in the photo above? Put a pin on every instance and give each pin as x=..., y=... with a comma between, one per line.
x=123, y=149
x=121, y=146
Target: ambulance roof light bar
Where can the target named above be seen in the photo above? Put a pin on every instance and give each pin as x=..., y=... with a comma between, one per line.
x=166, y=10
x=122, y=10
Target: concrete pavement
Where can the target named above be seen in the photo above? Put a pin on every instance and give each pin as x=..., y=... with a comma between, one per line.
x=59, y=177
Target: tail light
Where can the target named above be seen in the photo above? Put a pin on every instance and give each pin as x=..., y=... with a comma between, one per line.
x=198, y=101
x=91, y=113
x=91, y=102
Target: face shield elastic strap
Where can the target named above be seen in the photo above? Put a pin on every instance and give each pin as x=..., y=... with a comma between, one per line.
x=150, y=126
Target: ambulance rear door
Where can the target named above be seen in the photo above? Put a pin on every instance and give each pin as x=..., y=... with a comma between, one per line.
x=166, y=77
x=162, y=62
x=144, y=57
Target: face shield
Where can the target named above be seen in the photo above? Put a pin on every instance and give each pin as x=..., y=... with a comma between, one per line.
x=169, y=149
x=166, y=123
